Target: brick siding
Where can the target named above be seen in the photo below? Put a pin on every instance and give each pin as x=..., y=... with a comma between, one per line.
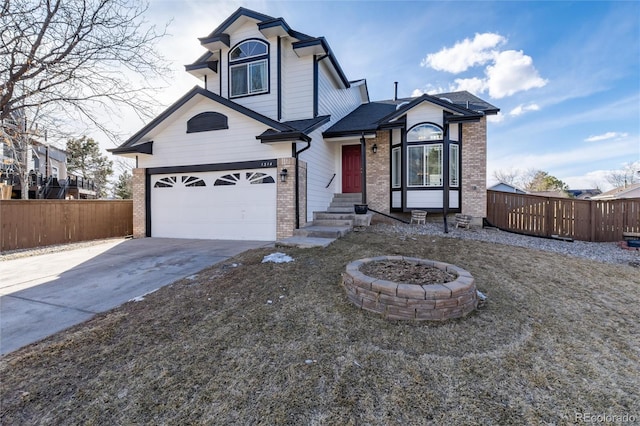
x=379, y=172
x=286, y=203
x=474, y=170
x=139, y=210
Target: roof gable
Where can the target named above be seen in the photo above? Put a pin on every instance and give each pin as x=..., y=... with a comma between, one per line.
x=445, y=105
x=166, y=114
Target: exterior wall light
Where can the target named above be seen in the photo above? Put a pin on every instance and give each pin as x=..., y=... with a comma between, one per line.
x=283, y=175
x=374, y=148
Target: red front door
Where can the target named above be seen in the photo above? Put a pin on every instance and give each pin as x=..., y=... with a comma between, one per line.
x=351, y=169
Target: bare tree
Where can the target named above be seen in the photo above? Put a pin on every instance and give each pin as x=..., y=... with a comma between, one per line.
x=510, y=176
x=16, y=139
x=77, y=60
x=628, y=175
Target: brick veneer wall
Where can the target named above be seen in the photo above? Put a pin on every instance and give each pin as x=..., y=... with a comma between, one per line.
x=379, y=172
x=474, y=170
x=286, y=203
x=139, y=210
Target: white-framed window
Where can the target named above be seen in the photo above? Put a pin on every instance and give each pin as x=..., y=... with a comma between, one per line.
x=424, y=166
x=454, y=165
x=424, y=132
x=249, y=68
x=396, y=168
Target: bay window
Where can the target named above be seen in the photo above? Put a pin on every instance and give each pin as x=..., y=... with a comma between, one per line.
x=454, y=165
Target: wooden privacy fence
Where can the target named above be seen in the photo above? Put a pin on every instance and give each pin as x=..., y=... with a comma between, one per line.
x=36, y=223
x=586, y=220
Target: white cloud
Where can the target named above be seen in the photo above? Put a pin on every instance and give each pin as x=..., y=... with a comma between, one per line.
x=512, y=72
x=521, y=109
x=464, y=54
x=506, y=72
x=606, y=136
x=473, y=85
x=498, y=118
x=429, y=89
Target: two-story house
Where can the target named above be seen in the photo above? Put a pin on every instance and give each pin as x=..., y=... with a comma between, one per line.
x=277, y=129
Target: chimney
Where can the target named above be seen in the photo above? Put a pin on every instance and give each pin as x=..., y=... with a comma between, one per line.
x=395, y=92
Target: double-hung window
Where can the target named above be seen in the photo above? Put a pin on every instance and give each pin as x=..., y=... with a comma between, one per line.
x=248, y=68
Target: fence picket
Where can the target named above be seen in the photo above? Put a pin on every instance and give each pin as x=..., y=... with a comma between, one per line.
x=36, y=223
x=586, y=220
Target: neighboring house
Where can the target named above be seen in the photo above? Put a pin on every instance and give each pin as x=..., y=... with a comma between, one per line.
x=278, y=129
x=506, y=187
x=628, y=191
x=48, y=177
x=583, y=194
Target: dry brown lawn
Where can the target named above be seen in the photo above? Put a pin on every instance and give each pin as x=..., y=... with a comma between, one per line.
x=558, y=338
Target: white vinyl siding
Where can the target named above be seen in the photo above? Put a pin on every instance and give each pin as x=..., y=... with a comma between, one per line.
x=424, y=113
x=334, y=100
x=297, y=84
x=431, y=199
x=324, y=158
x=396, y=199
x=172, y=146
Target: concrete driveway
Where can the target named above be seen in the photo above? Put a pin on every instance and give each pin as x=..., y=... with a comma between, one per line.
x=44, y=294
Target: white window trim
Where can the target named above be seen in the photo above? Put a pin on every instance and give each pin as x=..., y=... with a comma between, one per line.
x=424, y=166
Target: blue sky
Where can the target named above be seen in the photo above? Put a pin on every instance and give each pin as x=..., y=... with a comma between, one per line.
x=566, y=75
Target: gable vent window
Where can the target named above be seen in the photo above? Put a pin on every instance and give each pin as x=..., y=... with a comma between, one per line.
x=248, y=68
x=206, y=121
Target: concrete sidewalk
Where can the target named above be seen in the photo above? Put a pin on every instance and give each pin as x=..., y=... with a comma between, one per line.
x=44, y=294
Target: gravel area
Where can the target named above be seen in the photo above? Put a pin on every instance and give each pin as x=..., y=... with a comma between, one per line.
x=601, y=252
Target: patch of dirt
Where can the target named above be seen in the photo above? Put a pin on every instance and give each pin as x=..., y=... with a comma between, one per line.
x=401, y=271
x=265, y=343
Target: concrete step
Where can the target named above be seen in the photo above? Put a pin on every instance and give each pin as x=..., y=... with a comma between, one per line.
x=348, y=195
x=332, y=222
x=345, y=210
x=335, y=203
x=332, y=216
x=304, y=242
x=322, y=231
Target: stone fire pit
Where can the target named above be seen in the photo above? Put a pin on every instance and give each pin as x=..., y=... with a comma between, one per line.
x=411, y=301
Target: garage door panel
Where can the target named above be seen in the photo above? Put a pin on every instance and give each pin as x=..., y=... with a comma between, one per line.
x=224, y=205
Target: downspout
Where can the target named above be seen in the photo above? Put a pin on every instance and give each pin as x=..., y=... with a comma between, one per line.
x=363, y=168
x=445, y=173
x=279, y=65
x=296, y=155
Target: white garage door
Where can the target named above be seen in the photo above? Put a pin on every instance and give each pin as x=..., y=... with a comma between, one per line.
x=229, y=205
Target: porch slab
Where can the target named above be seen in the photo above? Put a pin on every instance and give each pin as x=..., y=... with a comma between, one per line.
x=304, y=242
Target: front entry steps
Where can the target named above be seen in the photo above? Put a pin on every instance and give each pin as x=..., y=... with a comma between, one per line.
x=330, y=225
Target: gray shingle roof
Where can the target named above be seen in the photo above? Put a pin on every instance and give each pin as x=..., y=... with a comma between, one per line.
x=368, y=117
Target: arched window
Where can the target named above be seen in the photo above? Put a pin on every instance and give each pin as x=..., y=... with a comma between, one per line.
x=424, y=132
x=249, y=68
